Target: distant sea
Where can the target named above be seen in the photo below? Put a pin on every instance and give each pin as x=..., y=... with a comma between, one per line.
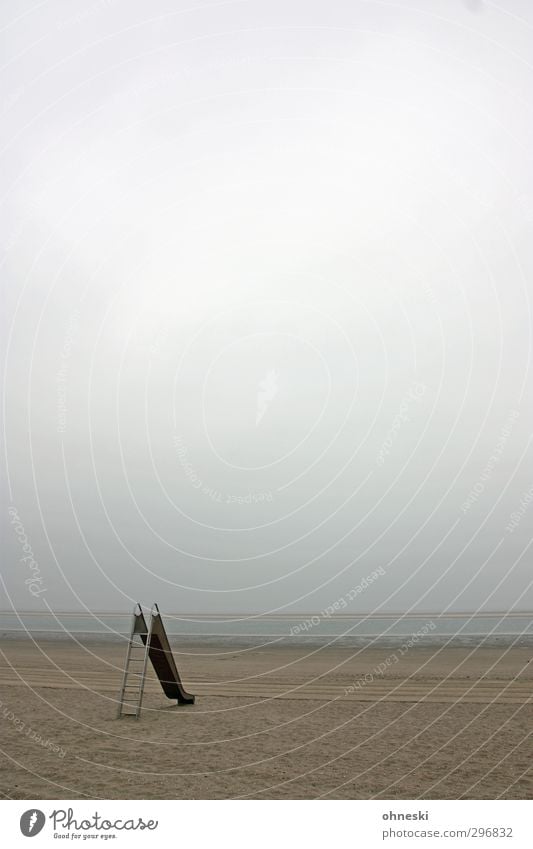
x=422, y=629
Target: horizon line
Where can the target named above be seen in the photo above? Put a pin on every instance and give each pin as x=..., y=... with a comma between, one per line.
x=251, y=614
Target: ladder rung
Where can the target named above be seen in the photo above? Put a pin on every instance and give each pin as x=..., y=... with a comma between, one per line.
x=134, y=677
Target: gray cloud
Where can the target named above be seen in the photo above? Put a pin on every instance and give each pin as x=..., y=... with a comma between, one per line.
x=235, y=238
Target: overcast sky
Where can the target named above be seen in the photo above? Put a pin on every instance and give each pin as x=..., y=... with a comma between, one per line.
x=267, y=274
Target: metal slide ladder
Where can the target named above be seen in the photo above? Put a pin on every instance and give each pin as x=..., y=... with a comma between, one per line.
x=131, y=693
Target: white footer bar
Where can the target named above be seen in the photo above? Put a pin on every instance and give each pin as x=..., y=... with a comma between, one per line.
x=262, y=824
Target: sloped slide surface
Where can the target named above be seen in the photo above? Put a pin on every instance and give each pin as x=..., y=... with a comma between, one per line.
x=162, y=660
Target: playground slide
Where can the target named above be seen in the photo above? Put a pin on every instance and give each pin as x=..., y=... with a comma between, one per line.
x=161, y=657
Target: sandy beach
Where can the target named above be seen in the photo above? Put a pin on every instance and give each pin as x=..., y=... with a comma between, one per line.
x=269, y=723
